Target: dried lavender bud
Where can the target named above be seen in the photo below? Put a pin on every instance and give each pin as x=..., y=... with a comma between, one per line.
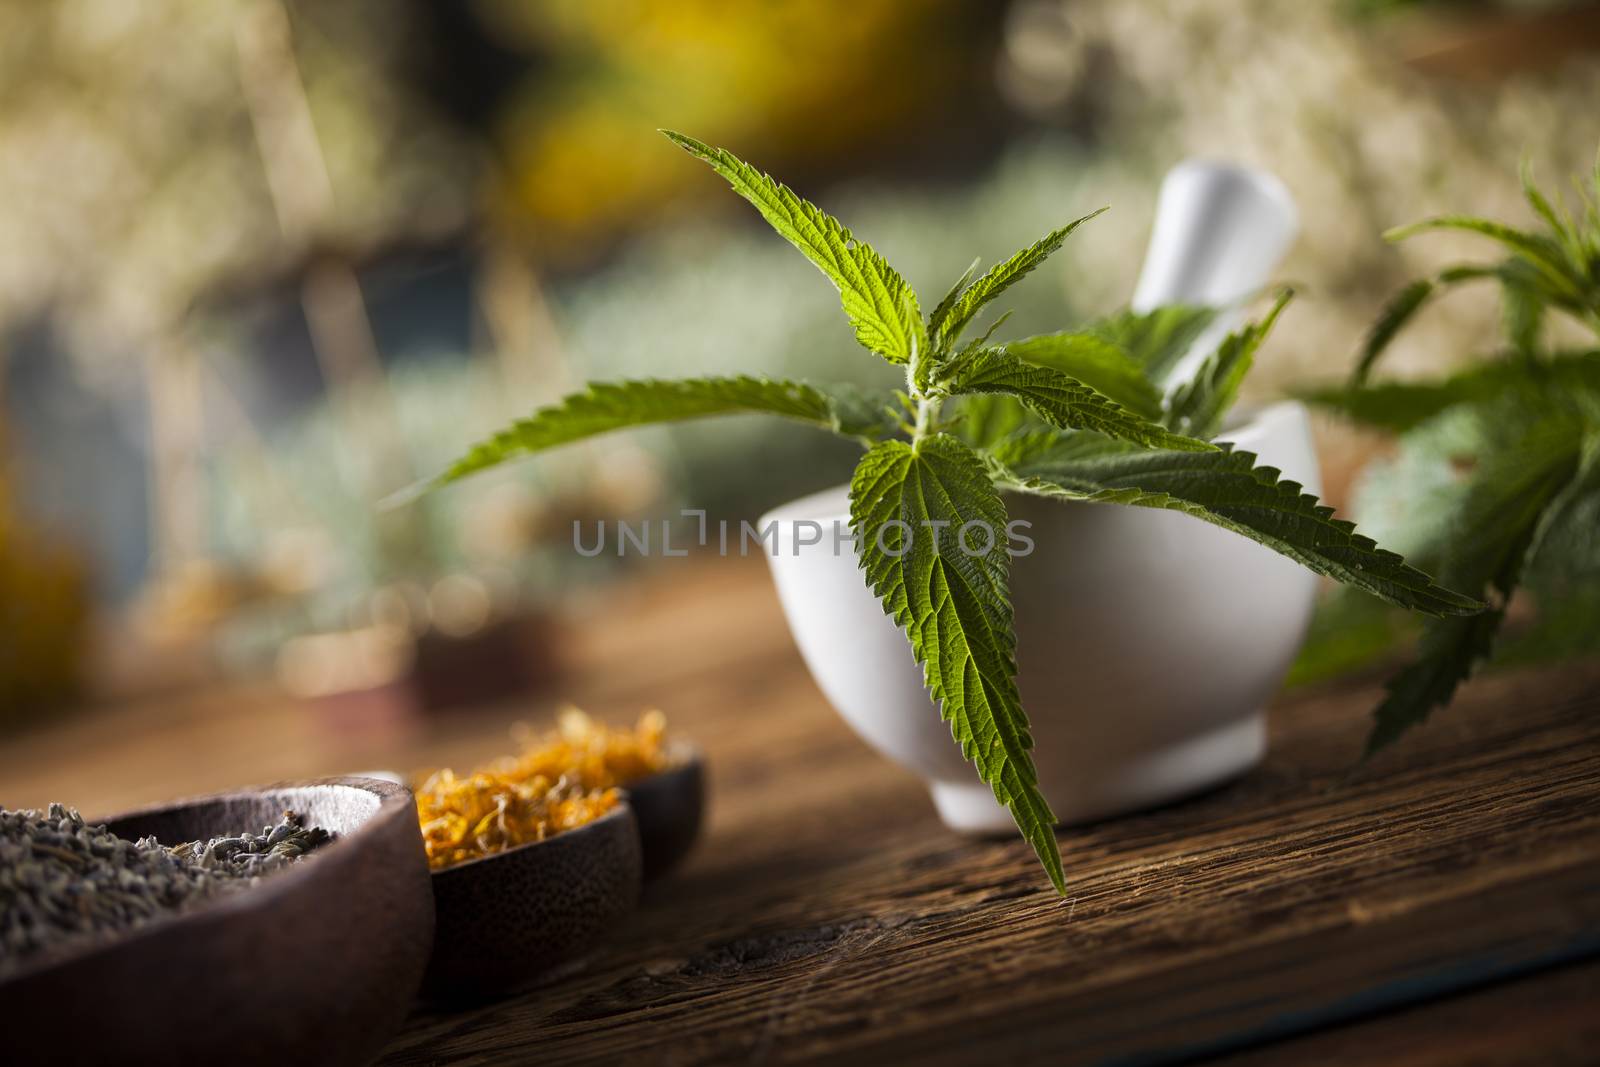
x=63, y=880
x=255, y=854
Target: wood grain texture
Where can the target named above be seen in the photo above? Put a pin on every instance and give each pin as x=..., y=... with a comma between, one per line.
x=1551, y=1019
x=826, y=915
x=829, y=916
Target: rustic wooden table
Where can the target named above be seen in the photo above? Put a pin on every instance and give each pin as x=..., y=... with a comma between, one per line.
x=1439, y=906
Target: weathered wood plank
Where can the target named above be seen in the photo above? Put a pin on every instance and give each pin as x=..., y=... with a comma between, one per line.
x=1551, y=1019
x=829, y=915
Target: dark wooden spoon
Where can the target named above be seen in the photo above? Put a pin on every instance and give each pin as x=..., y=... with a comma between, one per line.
x=506, y=919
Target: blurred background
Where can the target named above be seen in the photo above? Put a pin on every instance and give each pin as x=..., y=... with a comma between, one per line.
x=263, y=262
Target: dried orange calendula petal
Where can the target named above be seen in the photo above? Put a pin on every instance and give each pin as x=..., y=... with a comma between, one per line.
x=558, y=782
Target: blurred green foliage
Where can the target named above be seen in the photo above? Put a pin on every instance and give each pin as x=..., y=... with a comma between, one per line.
x=1496, y=482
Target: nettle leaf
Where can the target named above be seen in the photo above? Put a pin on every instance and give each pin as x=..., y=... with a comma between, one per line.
x=1543, y=253
x=1227, y=489
x=1562, y=570
x=1505, y=506
x=1054, y=452
x=879, y=303
x=1350, y=631
x=1157, y=340
x=1060, y=400
x=1559, y=269
x=984, y=420
x=1103, y=366
x=948, y=301
x=1448, y=652
x=609, y=406
x=946, y=328
x=1522, y=313
x=908, y=507
x=866, y=414
x=1199, y=405
x=1395, y=314
x=1558, y=222
x=1524, y=295
x=1576, y=505
x=1562, y=379
x=1392, y=406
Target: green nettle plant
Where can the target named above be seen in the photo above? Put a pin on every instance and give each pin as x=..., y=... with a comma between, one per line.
x=1497, y=483
x=1074, y=415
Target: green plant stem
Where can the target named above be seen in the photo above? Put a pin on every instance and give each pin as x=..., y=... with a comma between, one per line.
x=927, y=405
x=927, y=410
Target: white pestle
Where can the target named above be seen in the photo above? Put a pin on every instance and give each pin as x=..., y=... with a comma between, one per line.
x=1220, y=231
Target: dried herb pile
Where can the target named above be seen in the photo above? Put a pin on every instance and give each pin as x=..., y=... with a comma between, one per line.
x=559, y=782
x=63, y=880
